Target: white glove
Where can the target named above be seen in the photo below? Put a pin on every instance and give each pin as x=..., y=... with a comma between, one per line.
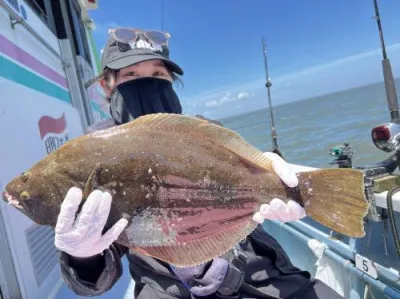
x=83, y=237
x=277, y=209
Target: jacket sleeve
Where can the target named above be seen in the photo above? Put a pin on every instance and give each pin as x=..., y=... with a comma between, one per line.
x=95, y=275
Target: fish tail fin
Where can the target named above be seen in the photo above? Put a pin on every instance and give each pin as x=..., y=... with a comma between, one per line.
x=335, y=198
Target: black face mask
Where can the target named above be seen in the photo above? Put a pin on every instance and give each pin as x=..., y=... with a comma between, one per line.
x=143, y=96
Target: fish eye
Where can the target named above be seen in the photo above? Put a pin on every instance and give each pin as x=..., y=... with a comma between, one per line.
x=25, y=195
x=25, y=177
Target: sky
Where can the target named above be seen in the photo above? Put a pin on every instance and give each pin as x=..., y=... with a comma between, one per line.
x=315, y=47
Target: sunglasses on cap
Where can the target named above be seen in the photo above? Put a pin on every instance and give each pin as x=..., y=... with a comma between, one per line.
x=130, y=38
x=131, y=35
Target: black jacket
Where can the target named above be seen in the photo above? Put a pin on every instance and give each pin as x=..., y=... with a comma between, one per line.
x=268, y=270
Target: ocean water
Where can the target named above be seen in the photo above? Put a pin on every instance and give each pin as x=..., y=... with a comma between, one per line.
x=307, y=129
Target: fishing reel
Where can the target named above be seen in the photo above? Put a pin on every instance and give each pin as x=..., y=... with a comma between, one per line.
x=343, y=154
x=386, y=137
x=379, y=176
x=372, y=173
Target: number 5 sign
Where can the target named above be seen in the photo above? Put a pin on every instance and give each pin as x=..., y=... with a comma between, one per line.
x=365, y=265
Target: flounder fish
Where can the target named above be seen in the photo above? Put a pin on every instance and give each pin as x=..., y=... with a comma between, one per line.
x=189, y=188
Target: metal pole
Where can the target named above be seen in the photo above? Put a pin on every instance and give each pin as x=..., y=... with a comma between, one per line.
x=268, y=84
x=390, y=87
x=162, y=15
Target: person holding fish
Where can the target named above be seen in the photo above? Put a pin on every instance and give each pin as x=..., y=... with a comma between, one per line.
x=137, y=79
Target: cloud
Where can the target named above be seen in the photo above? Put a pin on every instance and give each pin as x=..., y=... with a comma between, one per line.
x=348, y=72
x=102, y=28
x=244, y=95
x=228, y=97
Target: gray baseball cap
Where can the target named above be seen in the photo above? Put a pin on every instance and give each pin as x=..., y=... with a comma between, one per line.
x=118, y=55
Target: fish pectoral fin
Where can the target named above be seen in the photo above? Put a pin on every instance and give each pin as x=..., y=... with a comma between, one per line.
x=207, y=130
x=92, y=182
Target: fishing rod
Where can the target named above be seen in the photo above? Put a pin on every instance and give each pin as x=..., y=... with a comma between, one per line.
x=268, y=84
x=387, y=73
x=386, y=137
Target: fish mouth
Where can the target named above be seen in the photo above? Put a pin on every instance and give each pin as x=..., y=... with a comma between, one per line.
x=12, y=200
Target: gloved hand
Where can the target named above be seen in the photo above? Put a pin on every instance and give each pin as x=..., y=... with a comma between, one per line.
x=201, y=281
x=83, y=237
x=277, y=209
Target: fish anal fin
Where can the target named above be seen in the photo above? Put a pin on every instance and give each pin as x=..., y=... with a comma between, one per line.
x=200, y=250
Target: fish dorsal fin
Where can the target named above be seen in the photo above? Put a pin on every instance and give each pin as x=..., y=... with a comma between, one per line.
x=202, y=128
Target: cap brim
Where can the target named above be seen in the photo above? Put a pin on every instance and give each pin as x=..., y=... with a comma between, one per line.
x=136, y=58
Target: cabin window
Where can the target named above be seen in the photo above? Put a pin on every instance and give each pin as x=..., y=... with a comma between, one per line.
x=77, y=27
x=39, y=8
x=43, y=10
x=58, y=20
x=79, y=33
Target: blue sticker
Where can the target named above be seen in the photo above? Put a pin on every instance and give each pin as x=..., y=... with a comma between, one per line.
x=13, y=4
x=23, y=13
